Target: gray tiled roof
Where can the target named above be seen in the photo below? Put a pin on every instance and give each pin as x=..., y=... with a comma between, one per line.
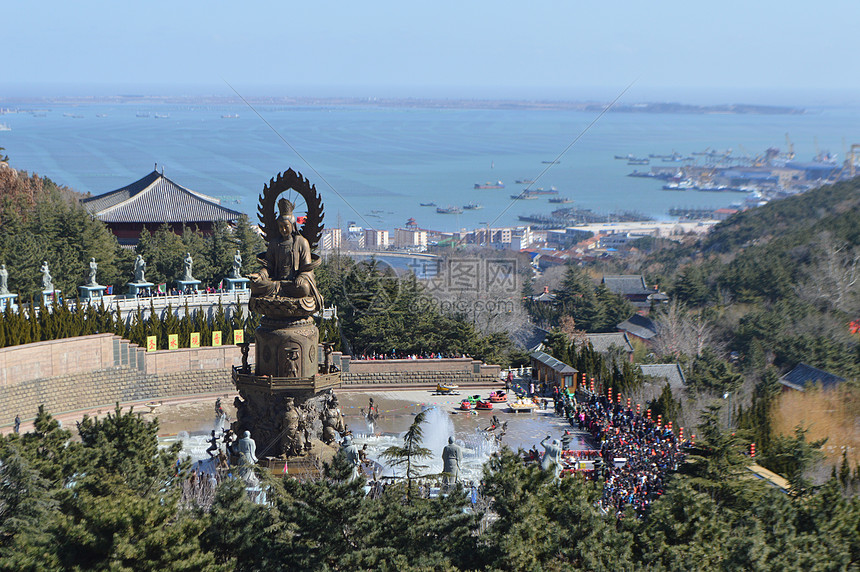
x=157, y=199
x=803, y=374
x=624, y=284
x=670, y=372
x=640, y=326
x=552, y=363
x=532, y=339
x=602, y=342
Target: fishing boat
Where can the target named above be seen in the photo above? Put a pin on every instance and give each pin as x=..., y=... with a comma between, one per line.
x=524, y=181
x=472, y=207
x=4, y=127
x=524, y=196
x=449, y=210
x=560, y=200
x=230, y=116
x=489, y=185
x=427, y=204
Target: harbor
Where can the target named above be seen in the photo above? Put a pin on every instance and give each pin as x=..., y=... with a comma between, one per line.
x=770, y=175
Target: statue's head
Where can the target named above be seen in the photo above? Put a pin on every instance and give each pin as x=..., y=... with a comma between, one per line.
x=286, y=220
x=92, y=259
x=451, y=440
x=247, y=434
x=347, y=441
x=555, y=442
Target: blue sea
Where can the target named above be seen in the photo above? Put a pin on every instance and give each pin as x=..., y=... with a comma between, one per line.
x=375, y=165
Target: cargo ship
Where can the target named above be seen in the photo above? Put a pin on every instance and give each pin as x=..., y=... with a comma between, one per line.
x=488, y=185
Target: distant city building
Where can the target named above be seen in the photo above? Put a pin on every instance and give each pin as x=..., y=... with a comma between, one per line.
x=152, y=202
x=376, y=238
x=332, y=239
x=410, y=238
x=354, y=236
x=618, y=240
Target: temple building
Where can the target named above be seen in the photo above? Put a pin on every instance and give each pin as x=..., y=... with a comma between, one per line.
x=152, y=202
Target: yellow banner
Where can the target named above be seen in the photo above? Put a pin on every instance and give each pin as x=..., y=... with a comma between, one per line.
x=173, y=341
x=151, y=344
x=238, y=336
x=216, y=338
x=195, y=340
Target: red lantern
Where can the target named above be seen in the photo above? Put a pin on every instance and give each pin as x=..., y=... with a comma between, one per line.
x=752, y=450
x=648, y=414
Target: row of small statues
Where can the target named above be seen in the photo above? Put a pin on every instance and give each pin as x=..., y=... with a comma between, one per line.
x=47, y=280
x=188, y=261
x=139, y=270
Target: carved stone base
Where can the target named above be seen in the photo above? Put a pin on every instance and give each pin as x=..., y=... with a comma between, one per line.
x=281, y=424
x=287, y=348
x=284, y=422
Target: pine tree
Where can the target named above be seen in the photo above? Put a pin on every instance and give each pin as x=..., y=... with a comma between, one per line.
x=409, y=455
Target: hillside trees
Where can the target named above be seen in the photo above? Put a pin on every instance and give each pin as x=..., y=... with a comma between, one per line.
x=379, y=311
x=592, y=308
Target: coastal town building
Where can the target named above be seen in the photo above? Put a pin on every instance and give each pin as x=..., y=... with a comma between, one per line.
x=410, y=238
x=354, y=236
x=332, y=239
x=376, y=239
x=152, y=202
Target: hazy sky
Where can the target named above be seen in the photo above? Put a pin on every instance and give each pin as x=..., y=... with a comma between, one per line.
x=722, y=51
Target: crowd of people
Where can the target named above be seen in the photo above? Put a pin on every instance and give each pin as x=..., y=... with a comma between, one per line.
x=635, y=453
x=395, y=354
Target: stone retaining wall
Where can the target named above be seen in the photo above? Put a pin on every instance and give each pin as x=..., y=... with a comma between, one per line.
x=426, y=378
x=103, y=389
x=92, y=372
